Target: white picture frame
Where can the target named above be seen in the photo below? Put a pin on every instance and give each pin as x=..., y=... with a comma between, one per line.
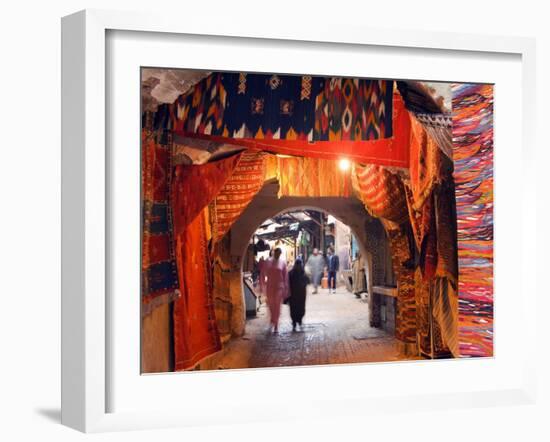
x=87, y=356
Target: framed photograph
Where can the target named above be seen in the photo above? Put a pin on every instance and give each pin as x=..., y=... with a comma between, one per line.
x=277, y=209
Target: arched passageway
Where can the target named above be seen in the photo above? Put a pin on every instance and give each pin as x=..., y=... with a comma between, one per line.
x=338, y=329
x=267, y=204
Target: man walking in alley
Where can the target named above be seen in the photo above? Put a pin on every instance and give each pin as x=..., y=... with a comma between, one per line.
x=333, y=264
x=314, y=267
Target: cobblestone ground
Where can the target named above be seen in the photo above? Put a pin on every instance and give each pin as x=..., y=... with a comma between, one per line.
x=335, y=331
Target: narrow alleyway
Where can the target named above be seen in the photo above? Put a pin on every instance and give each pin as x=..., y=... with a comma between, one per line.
x=335, y=331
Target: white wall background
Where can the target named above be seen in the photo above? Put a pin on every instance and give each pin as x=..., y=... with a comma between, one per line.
x=30, y=215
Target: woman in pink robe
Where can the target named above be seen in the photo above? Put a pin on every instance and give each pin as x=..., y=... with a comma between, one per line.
x=274, y=279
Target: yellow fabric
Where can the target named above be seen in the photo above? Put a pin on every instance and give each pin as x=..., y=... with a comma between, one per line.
x=271, y=167
x=312, y=177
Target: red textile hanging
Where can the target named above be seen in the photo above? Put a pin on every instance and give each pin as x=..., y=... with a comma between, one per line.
x=195, y=186
x=159, y=282
x=195, y=331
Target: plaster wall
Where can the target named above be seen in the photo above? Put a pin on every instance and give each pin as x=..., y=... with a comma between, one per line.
x=156, y=354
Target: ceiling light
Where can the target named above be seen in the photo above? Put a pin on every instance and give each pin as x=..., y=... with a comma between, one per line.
x=344, y=164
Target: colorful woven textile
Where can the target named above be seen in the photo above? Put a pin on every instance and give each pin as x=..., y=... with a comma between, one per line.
x=405, y=318
x=440, y=128
x=434, y=231
x=195, y=186
x=312, y=177
x=245, y=182
x=195, y=330
x=425, y=163
x=473, y=176
x=436, y=316
x=416, y=97
x=202, y=109
x=392, y=151
x=159, y=281
x=428, y=248
x=419, y=219
x=423, y=311
x=445, y=226
x=445, y=312
x=381, y=191
x=241, y=105
x=352, y=109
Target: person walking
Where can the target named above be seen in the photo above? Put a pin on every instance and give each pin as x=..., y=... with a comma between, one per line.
x=333, y=265
x=359, y=280
x=298, y=282
x=314, y=267
x=274, y=281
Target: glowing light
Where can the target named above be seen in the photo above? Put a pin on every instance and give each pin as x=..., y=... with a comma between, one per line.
x=344, y=164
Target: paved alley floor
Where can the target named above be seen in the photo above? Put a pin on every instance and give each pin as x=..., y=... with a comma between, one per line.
x=335, y=330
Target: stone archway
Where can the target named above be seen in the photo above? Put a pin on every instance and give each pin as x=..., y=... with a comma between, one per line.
x=267, y=204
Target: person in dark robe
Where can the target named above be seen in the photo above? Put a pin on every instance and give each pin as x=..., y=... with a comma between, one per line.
x=298, y=282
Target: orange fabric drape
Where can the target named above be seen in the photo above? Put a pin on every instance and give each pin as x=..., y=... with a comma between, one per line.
x=312, y=177
x=245, y=182
x=195, y=331
x=425, y=163
x=193, y=188
x=381, y=191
